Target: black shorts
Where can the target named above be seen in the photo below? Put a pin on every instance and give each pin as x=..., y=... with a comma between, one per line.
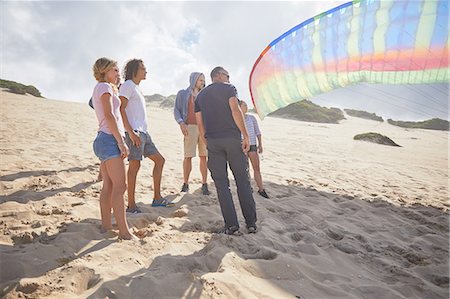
x=253, y=148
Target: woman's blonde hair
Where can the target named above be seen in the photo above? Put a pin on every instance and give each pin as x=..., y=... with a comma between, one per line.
x=101, y=67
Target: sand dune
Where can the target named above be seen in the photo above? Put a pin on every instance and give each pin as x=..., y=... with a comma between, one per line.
x=346, y=219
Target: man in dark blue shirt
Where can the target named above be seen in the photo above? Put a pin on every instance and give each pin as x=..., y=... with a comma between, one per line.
x=221, y=124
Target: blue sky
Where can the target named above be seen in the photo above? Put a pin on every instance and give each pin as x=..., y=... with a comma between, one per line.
x=53, y=44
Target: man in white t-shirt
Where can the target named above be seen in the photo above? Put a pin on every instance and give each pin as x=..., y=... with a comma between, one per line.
x=134, y=115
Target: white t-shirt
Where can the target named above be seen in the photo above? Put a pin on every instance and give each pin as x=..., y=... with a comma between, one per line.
x=136, y=111
x=100, y=89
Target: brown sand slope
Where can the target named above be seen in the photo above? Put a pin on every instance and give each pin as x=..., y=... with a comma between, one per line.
x=346, y=219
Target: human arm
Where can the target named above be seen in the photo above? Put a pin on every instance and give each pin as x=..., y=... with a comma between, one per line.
x=183, y=128
x=258, y=134
x=240, y=123
x=133, y=136
x=260, y=147
x=201, y=127
x=106, y=100
x=177, y=113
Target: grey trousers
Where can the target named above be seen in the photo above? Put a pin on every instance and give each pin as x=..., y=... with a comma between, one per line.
x=221, y=152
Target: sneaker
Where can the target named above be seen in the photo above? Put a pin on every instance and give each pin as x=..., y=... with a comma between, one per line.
x=185, y=188
x=252, y=229
x=134, y=210
x=205, y=190
x=232, y=230
x=263, y=193
x=162, y=202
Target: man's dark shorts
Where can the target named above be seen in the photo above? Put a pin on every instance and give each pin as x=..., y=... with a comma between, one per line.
x=146, y=149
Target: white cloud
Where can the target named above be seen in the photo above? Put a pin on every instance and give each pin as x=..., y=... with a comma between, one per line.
x=53, y=45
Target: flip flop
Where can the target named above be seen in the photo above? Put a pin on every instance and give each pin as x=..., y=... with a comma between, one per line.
x=162, y=202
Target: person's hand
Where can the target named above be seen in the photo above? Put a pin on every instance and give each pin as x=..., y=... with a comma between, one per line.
x=124, y=151
x=260, y=149
x=245, y=145
x=135, y=139
x=202, y=138
x=183, y=128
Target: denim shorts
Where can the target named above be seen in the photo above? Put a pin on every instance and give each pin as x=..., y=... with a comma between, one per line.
x=146, y=149
x=105, y=146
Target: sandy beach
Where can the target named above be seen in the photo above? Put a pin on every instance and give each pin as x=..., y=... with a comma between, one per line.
x=346, y=218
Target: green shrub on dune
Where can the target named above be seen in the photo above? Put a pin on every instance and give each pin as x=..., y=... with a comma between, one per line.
x=19, y=88
x=431, y=124
x=363, y=114
x=375, y=138
x=308, y=111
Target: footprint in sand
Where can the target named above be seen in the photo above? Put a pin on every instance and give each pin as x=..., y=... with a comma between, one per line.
x=262, y=254
x=335, y=233
x=441, y=281
x=296, y=236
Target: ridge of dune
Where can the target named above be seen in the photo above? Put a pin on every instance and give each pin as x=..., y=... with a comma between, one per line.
x=346, y=219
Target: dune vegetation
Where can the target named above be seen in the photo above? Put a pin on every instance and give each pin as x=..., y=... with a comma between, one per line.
x=20, y=88
x=430, y=124
x=363, y=114
x=375, y=138
x=308, y=111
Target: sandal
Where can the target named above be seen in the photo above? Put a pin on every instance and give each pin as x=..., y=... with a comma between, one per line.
x=162, y=202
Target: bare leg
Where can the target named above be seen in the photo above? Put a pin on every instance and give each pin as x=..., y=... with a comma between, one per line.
x=133, y=168
x=187, y=167
x=159, y=161
x=115, y=171
x=105, y=200
x=203, y=169
x=254, y=159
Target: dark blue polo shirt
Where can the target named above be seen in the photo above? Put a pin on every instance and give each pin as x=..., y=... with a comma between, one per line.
x=213, y=103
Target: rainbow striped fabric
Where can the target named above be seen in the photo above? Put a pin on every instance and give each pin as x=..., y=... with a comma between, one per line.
x=388, y=42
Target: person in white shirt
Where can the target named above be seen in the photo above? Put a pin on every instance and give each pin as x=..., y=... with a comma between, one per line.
x=134, y=115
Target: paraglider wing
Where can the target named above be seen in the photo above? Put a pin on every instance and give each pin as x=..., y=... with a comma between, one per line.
x=388, y=42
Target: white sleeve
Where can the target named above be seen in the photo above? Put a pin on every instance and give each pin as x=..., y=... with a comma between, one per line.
x=126, y=90
x=255, y=124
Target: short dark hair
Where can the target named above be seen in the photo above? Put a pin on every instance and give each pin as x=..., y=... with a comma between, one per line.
x=131, y=68
x=216, y=71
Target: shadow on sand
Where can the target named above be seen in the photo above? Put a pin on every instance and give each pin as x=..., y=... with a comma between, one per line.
x=45, y=186
x=307, y=240
x=310, y=244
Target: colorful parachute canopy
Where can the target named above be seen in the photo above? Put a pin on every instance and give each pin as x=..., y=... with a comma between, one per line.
x=387, y=41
